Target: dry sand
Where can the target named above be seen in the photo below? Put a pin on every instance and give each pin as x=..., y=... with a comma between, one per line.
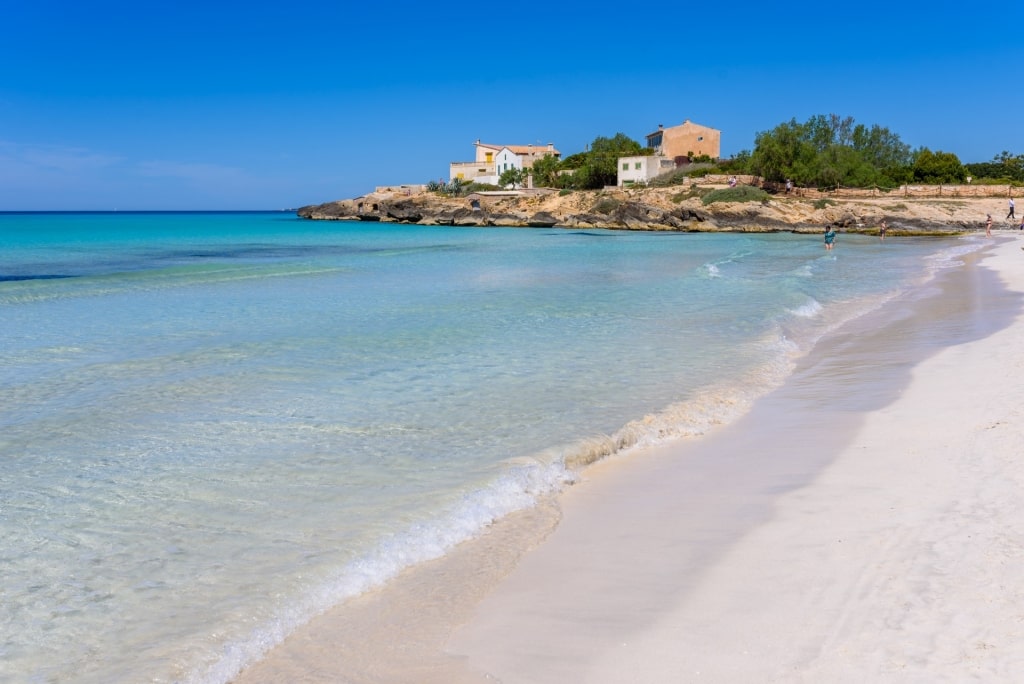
x=865, y=522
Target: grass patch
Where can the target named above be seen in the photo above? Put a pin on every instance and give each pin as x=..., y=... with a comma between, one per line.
x=895, y=207
x=480, y=187
x=564, y=191
x=993, y=181
x=692, y=193
x=822, y=203
x=742, y=193
x=682, y=175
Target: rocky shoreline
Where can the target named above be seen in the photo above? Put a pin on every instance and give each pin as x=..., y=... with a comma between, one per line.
x=664, y=209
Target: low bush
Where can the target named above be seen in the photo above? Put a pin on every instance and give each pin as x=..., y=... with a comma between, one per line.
x=693, y=192
x=682, y=175
x=992, y=181
x=480, y=187
x=606, y=205
x=674, y=177
x=741, y=193
x=700, y=173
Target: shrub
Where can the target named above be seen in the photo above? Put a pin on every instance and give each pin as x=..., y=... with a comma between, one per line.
x=564, y=191
x=694, y=191
x=822, y=203
x=741, y=193
x=682, y=175
x=606, y=206
x=454, y=187
x=674, y=177
x=992, y=181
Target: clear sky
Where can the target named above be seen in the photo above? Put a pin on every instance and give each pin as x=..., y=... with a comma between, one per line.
x=270, y=105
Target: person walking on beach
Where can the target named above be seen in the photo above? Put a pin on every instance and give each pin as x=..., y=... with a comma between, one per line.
x=988, y=225
x=830, y=237
x=881, y=230
x=1010, y=215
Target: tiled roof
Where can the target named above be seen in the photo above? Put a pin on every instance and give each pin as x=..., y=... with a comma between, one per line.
x=696, y=125
x=520, y=149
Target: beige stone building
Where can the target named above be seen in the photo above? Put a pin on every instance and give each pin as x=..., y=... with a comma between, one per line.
x=492, y=160
x=686, y=140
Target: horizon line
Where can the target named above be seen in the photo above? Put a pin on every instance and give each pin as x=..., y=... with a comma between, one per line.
x=147, y=211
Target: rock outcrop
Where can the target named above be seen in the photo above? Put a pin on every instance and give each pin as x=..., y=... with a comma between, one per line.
x=662, y=209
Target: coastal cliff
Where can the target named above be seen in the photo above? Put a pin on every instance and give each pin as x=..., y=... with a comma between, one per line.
x=665, y=209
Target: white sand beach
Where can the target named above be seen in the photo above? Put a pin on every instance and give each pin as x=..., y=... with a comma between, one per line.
x=900, y=561
x=864, y=522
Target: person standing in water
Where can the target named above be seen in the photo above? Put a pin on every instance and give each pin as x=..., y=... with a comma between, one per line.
x=881, y=230
x=988, y=225
x=830, y=237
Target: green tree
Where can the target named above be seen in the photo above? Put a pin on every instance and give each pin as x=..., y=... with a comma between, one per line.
x=584, y=178
x=598, y=166
x=511, y=177
x=545, y=172
x=883, y=149
x=780, y=153
x=937, y=167
x=829, y=151
x=740, y=163
x=1004, y=166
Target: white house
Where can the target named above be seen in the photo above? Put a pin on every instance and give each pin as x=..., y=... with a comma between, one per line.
x=503, y=161
x=493, y=160
x=641, y=169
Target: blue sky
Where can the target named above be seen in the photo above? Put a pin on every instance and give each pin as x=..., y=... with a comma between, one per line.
x=256, y=105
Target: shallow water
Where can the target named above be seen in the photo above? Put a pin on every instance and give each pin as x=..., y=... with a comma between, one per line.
x=216, y=425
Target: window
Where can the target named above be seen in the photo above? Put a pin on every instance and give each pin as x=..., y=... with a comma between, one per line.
x=490, y=157
x=700, y=138
x=636, y=166
x=625, y=166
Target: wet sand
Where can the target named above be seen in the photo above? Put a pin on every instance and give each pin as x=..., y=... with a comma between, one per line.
x=860, y=523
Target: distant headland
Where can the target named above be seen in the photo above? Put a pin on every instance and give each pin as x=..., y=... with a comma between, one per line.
x=742, y=204
x=799, y=177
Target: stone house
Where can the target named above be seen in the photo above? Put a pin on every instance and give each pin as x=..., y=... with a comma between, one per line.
x=492, y=160
x=686, y=140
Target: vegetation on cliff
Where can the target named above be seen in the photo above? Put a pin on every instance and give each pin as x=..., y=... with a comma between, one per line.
x=594, y=168
x=1004, y=168
x=827, y=152
x=743, y=193
x=824, y=152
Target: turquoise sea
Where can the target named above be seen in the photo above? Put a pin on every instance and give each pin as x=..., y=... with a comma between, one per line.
x=214, y=426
